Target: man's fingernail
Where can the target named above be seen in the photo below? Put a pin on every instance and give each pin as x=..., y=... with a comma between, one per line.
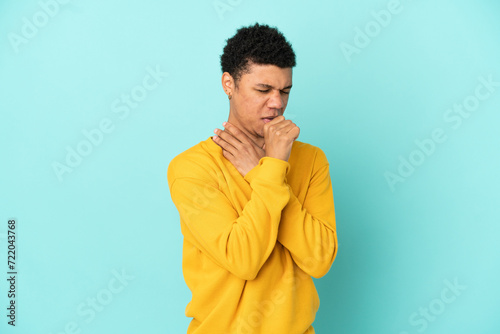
x=224, y=124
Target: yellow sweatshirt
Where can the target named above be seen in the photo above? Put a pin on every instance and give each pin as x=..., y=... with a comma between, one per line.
x=251, y=244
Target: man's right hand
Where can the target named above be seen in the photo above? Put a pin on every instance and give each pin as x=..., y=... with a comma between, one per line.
x=279, y=135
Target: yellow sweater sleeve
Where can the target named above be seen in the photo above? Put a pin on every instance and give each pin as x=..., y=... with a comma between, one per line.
x=238, y=243
x=308, y=230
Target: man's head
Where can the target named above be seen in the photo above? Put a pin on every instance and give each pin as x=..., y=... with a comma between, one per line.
x=257, y=67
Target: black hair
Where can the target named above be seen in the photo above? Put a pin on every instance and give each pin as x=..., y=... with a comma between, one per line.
x=259, y=44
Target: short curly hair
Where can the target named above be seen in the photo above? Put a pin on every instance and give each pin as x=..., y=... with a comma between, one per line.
x=259, y=44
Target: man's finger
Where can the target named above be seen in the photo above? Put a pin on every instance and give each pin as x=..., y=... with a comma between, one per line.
x=284, y=126
x=274, y=122
x=277, y=120
x=238, y=134
x=228, y=155
x=229, y=138
x=288, y=127
x=223, y=143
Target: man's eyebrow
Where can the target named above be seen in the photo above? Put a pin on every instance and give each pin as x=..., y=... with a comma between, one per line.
x=269, y=86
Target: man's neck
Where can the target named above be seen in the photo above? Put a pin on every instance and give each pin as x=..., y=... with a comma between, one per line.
x=259, y=141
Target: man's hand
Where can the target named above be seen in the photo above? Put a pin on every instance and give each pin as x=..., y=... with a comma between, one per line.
x=240, y=150
x=279, y=135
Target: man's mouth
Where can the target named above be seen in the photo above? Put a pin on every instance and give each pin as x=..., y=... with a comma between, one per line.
x=268, y=119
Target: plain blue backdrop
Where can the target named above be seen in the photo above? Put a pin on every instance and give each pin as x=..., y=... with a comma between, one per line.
x=97, y=97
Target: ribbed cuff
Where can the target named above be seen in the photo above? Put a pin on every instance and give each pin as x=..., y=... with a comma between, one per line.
x=270, y=170
x=252, y=173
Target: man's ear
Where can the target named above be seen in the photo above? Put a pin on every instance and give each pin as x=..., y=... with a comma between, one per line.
x=228, y=83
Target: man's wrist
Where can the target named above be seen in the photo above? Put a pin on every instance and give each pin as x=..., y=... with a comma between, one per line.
x=251, y=173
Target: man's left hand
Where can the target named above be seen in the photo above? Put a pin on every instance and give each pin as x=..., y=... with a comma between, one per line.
x=240, y=150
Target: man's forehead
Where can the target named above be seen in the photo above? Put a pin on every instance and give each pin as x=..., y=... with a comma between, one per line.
x=266, y=68
x=269, y=75
x=265, y=85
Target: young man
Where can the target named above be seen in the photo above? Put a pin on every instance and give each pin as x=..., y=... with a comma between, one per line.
x=255, y=204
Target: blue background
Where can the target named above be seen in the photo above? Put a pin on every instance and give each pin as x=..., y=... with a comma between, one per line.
x=64, y=69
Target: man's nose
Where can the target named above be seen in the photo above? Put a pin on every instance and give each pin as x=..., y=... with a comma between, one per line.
x=276, y=100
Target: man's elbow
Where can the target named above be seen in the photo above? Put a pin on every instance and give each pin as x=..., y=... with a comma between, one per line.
x=319, y=265
x=247, y=273
x=322, y=269
x=246, y=268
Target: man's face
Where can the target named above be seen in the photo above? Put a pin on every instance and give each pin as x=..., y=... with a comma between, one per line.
x=261, y=95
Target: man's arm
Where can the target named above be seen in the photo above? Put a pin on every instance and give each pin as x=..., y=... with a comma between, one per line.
x=308, y=230
x=238, y=243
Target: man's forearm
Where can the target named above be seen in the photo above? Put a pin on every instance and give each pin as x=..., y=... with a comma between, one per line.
x=239, y=242
x=308, y=230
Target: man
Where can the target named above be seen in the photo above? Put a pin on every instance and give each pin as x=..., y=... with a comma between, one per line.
x=256, y=205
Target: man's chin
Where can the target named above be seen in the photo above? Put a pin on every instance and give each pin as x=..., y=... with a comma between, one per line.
x=260, y=133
